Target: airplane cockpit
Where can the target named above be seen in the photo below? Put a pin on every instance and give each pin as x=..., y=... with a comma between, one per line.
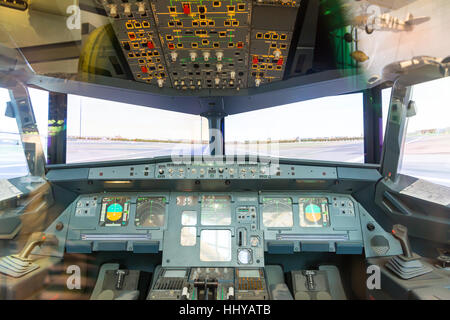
x=224, y=150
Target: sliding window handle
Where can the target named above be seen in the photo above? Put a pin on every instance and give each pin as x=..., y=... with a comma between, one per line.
x=401, y=233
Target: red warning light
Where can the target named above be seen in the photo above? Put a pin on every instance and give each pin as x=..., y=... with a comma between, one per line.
x=280, y=62
x=171, y=46
x=240, y=45
x=150, y=45
x=187, y=8
x=144, y=69
x=255, y=60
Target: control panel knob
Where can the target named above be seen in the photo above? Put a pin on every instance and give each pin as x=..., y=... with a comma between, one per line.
x=219, y=55
x=231, y=170
x=217, y=81
x=202, y=171
x=220, y=170
x=277, y=54
x=141, y=7
x=160, y=83
x=263, y=171
x=233, y=75
x=174, y=56
x=113, y=10
x=193, y=56
x=199, y=83
x=127, y=9
x=161, y=171
x=170, y=170
x=194, y=171
x=182, y=82
x=257, y=82
x=206, y=55
x=219, y=67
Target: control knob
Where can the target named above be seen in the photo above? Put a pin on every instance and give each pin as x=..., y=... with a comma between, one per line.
x=277, y=54
x=141, y=7
x=127, y=9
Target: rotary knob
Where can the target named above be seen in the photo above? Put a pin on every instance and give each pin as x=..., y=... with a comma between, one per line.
x=174, y=56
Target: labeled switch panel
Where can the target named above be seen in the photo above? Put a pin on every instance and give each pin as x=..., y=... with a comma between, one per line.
x=270, y=40
x=134, y=25
x=208, y=44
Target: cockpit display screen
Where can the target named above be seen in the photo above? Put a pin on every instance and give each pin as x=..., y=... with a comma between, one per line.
x=150, y=212
x=277, y=212
x=216, y=210
x=115, y=212
x=314, y=212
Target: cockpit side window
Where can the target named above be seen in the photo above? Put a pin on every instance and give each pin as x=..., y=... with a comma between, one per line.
x=12, y=157
x=426, y=150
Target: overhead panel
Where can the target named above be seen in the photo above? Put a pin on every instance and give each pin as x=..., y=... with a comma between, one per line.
x=204, y=44
x=137, y=34
x=272, y=28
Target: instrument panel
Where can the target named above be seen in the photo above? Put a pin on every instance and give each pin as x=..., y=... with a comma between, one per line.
x=150, y=211
x=190, y=45
x=115, y=211
x=219, y=229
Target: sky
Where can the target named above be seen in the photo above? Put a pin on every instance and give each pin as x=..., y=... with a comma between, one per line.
x=110, y=119
x=324, y=117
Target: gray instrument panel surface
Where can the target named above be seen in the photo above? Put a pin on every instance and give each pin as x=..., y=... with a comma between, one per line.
x=213, y=170
x=346, y=232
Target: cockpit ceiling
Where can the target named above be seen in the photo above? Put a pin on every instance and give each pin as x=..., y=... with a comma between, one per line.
x=219, y=47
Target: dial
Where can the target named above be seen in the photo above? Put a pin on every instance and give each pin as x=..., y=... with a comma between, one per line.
x=150, y=212
x=277, y=212
x=254, y=241
x=314, y=212
x=245, y=256
x=115, y=211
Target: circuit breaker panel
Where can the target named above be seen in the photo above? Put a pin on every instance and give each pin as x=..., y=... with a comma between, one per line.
x=204, y=44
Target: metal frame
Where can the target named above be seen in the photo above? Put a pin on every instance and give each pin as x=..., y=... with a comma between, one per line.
x=228, y=101
x=57, y=125
x=20, y=107
x=373, y=125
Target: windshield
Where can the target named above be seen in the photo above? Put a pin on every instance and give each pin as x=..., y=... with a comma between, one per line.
x=101, y=130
